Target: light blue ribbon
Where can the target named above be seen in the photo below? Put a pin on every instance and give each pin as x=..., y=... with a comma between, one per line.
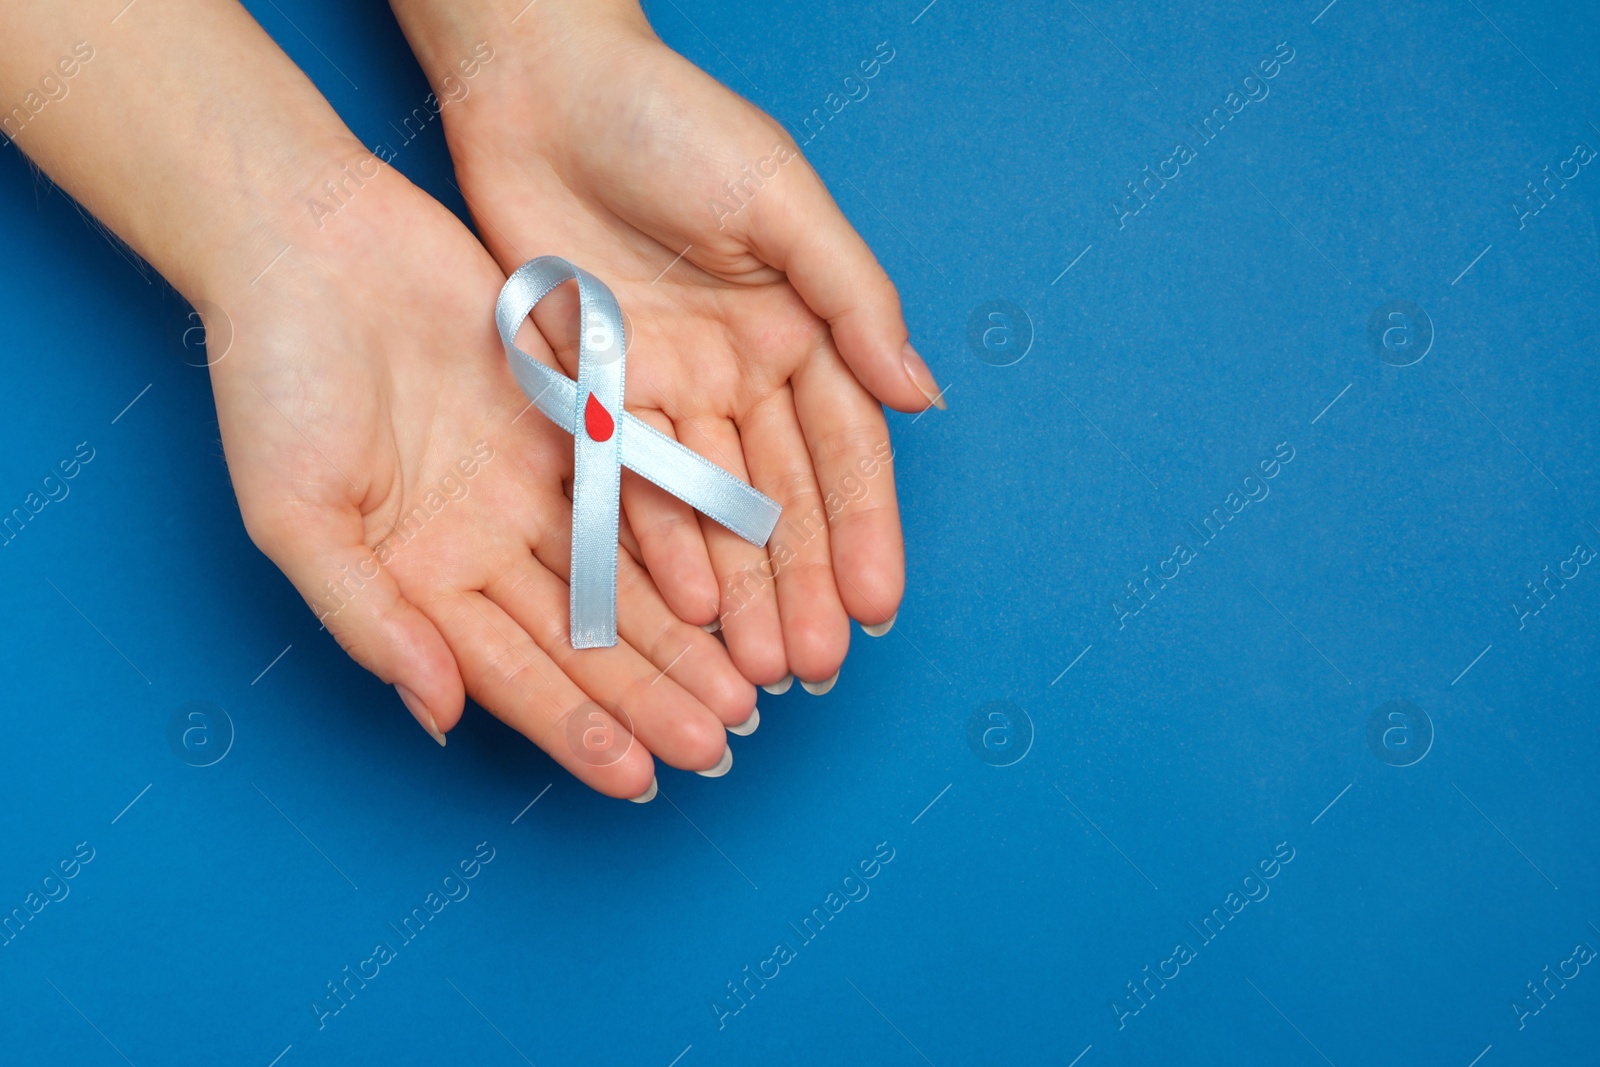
x=598, y=458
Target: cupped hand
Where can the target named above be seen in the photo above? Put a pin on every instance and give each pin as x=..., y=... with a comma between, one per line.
x=385, y=460
x=763, y=333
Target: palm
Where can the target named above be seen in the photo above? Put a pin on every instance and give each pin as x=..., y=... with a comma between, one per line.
x=622, y=177
x=367, y=413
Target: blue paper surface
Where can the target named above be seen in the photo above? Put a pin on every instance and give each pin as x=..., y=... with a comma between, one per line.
x=1167, y=759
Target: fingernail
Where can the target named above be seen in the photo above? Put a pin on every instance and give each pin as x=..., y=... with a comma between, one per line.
x=647, y=796
x=748, y=727
x=724, y=765
x=780, y=687
x=878, y=629
x=817, y=689
x=711, y=627
x=922, y=377
x=420, y=712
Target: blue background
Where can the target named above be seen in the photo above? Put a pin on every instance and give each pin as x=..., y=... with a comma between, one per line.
x=1227, y=718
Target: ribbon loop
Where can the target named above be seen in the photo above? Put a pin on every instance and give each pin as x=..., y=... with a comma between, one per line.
x=606, y=439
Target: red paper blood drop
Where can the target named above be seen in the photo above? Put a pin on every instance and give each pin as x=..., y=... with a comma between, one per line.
x=597, y=420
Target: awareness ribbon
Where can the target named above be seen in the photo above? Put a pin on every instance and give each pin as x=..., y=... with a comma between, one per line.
x=606, y=439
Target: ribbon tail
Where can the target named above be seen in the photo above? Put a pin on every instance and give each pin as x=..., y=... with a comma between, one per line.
x=698, y=482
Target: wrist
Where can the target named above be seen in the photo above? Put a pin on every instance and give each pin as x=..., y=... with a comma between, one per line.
x=190, y=134
x=510, y=61
x=257, y=206
x=441, y=31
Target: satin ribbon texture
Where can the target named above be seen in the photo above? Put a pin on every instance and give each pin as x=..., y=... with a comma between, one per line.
x=606, y=439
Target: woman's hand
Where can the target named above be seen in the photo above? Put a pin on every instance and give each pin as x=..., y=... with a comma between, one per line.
x=761, y=328
x=377, y=442
x=385, y=460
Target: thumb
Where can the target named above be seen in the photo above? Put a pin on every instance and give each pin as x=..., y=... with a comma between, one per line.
x=323, y=553
x=805, y=235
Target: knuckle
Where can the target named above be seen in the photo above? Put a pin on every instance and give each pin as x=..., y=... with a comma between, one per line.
x=837, y=448
x=669, y=635
x=508, y=665
x=670, y=523
x=796, y=489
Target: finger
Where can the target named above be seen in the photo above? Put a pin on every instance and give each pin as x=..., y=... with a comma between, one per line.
x=849, y=443
x=805, y=235
x=507, y=672
x=816, y=631
x=629, y=543
x=670, y=543
x=323, y=553
x=748, y=600
x=670, y=722
x=692, y=658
